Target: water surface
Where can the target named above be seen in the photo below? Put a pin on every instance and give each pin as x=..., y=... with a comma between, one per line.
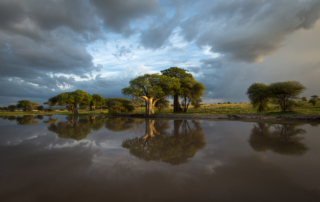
x=96, y=158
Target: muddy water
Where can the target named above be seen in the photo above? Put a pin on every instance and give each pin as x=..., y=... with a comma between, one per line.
x=88, y=158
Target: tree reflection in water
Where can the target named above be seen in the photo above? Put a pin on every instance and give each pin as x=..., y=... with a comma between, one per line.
x=76, y=128
x=284, y=139
x=174, y=148
x=25, y=120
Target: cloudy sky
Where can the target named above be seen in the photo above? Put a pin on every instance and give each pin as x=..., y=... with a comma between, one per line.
x=52, y=46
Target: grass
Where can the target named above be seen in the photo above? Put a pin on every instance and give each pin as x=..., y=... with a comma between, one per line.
x=242, y=108
x=228, y=109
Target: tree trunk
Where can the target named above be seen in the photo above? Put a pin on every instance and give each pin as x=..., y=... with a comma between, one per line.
x=75, y=108
x=149, y=105
x=176, y=104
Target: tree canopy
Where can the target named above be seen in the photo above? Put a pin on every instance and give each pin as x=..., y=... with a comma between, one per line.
x=71, y=99
x=259, y=94
x=191, y=91
x=97, y=100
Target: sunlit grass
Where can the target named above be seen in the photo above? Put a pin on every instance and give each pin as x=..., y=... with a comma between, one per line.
x=228, y=109
x=240, y=108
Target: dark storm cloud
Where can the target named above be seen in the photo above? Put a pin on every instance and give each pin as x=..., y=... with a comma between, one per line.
x=118, y=14
x=250, y=30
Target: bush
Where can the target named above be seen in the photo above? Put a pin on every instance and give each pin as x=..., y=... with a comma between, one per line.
x=313, y=101
x=49, y=110
x=119, y=105
x=40, y=108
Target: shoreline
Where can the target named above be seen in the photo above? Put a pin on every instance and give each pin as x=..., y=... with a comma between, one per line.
x=247, y=117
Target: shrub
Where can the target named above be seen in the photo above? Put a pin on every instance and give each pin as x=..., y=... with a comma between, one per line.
x=119, y=105
x=49, y=110
x=313, y=101
x=40, y=108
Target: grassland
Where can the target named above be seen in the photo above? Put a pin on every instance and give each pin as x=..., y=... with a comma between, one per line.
x=228, y=109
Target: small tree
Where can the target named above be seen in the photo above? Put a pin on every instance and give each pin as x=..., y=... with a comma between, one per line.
x=12, y=107
x=97, y=100
x=303, y=99
x=119, y=105
x=151, y=87
x=191, y=90
x=258, y=94
x=5, y=108
x=315, y=97
x=27, y=105
x=285, y=93
x=313, y=101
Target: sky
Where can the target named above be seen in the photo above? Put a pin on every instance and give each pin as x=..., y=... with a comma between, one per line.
x=52, y=46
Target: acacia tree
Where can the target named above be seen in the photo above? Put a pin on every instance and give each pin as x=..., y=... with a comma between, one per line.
x=191, y=90
x=26, y=105
x=97, y=100
x=285, y=93
x=258, y=94
x=151, y=87
x=72, y=99
x=179, y=73
x=12, y=107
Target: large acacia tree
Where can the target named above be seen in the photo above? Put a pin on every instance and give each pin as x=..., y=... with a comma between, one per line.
x=179, y=73
x=72, y=99
x=152, y=87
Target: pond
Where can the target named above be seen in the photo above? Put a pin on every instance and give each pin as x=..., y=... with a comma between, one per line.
x=99, y=158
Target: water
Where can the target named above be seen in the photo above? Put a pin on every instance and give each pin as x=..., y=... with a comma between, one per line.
x=85, y=158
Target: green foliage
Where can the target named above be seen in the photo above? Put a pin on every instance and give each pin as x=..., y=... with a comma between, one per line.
x=97, y=100
x=313, y=101
x=162, y=104
x=191, y=91
x=176, y=72
x=285, y=93
x=259, y=94
x=27, y=105
x=151, y=86
x=12, y=107
x=73, y=99
x=119, y=105
x=315, y=97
